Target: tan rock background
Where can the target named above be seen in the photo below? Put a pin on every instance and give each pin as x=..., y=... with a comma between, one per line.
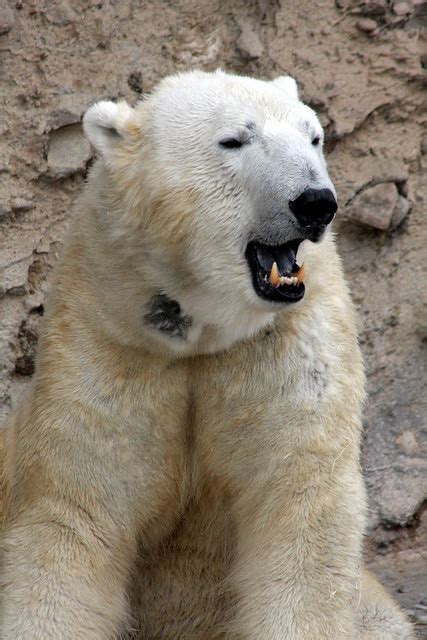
x=360, y=64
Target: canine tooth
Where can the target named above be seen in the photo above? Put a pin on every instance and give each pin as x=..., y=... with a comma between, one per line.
x=274, y=278
x=300, y=273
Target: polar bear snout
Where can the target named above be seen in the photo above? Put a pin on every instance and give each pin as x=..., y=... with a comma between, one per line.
x=314, y=208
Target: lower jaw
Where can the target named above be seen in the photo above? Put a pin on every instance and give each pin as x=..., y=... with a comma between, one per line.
x=280, y=295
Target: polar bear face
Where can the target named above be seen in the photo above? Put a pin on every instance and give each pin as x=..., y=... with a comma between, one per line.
x=226, y=178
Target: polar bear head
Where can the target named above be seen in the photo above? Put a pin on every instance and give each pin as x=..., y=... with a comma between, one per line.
x=213, y=185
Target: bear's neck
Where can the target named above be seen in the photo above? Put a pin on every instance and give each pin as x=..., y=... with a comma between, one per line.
x=97, y=293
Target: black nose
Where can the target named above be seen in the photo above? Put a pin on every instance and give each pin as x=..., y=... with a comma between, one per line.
x=314, y=207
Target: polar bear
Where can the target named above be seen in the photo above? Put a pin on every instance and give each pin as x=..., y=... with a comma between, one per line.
x=186, y=463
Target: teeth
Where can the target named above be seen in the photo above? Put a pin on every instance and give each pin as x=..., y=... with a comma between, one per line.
x=300, y=273
x=274, y=278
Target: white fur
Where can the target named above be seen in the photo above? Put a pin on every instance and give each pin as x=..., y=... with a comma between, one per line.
x=104, y=124
x=241, y=193
x=288, y=85
x=211, y=496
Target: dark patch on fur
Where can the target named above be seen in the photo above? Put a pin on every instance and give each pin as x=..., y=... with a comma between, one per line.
x=166, y=316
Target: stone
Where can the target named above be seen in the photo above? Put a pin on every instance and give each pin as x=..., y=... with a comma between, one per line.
x=248, y=42
x=7, y=18
x=21, y=204
x=68, y=151
x=424, y=146
x=401, y=9
x=407, y=441
x=375, y=206
x=367, y=25
x=401, y=210
x=61, y=118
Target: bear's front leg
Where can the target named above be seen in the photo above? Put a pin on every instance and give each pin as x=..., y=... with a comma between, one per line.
x=64, y=575
x=298, y=553
x=87, y=481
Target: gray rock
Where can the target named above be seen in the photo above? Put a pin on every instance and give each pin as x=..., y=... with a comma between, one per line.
x=367, y=25
x=400, y=212
x=401, y=9
x=68, y=151
x=375, y=206
x=248, y=42
x=22, y=204
x=61, y=118
x=7, y=18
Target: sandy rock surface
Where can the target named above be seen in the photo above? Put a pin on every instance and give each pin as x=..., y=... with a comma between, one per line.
x=360, y=65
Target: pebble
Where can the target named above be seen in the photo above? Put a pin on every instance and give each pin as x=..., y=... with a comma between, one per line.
x=400, y=212
x=7, y=18
x=21, y=204
x=367, y=25
x=401, y=8
x=248, y=42
x=375, y=206
x=68, y=151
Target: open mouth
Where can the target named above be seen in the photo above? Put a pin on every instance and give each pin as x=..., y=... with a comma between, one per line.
x=276, y=276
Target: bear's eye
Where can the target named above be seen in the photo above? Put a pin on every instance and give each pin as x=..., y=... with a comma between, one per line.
x=315, y=141
x=231, y=143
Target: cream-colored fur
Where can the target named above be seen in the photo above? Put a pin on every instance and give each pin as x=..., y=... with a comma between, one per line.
x=205, y=485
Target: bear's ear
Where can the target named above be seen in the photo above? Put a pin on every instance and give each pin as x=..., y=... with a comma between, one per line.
x=288, y=85
x=106, y=124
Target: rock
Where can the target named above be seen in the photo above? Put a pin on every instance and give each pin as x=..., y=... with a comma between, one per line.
x=407, y=441
x=400, y=212
x=7, y=18
x=248, y=42
x=424, y=146
x=13, y=276
x=367, y=25
x=68, y=151
x=401, y=9
x=21, y=204
x=375, y=206
x=61, y=118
